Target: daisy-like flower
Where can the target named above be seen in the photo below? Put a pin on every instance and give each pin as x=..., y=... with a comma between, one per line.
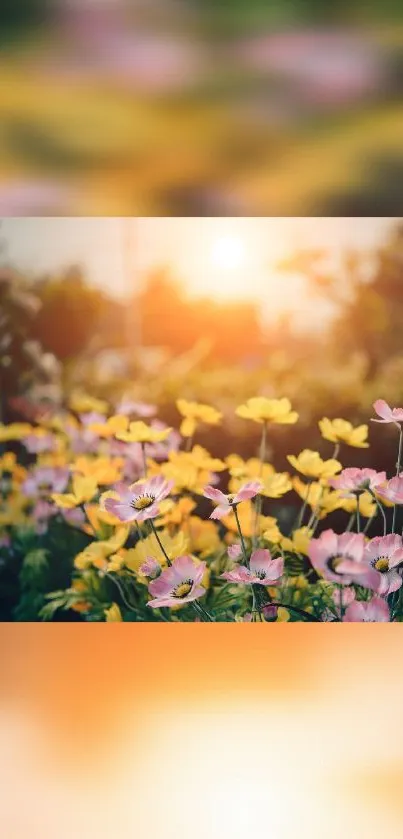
x=195, y=413
x=310, y=463
x=375, y=610
x=44, y=480
x=352, y=481
x=260, y=409
x=392, y=490
x=338, y=558
x=262, y=570
x=341, y=431
x=387, y=414
x=178, y=584
x=140, y=501
x=227, y=502
x=140, y=432
x=383, y=555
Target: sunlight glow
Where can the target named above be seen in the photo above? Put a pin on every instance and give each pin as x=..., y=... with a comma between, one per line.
x=228, y=253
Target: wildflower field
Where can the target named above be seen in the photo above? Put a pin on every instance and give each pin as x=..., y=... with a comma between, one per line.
x=172, y=456
x=108, y=514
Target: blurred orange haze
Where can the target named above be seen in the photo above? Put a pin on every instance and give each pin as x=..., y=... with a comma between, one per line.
x=197, y=731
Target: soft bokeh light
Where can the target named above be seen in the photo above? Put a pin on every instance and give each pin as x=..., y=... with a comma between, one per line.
x=120, y=731
x=176, y=107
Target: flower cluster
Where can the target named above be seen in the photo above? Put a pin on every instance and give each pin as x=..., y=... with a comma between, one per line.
x=142, y=523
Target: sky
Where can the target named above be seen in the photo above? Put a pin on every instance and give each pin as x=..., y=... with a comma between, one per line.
x=224, y=258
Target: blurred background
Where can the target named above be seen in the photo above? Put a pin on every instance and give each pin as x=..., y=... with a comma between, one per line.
x=219, y=735
x=182, y=107
x=215, y=310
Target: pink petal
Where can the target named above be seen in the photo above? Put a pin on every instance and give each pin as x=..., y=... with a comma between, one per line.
x=248, y=491
x=215, y=495
x=383, y=410
x=220, y=512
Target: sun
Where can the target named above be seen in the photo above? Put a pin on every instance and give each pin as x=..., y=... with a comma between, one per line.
x=228, y=253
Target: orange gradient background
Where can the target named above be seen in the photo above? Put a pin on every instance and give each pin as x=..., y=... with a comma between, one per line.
x=194, y=731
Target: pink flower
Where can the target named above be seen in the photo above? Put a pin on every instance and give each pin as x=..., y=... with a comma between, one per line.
x=392, y=490
x=331, y=550
x=150, y=568
x=352, y=480
x=234, y=552
x=386, y=413
x=44, y=480
x=35, y=444
x=270, y=611
x=128, y=406
x=139, y=501
x=180, y=583
x=75, y=517
x=342, y=598
x=41, y=513
x=383, y=555
x=227, y=502
x=375, y=610
x=263, y=570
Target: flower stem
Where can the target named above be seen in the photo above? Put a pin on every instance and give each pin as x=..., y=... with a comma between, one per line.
x=358, y=514
x=143, y=451
x=155, y=531
x=258, y=502
x=399, y=460
x=245, y=555
x=202, y=611
x=379, y=505
x=304, y=506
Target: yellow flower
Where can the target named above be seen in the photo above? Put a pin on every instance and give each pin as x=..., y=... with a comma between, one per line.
x=173, y=545
x=195, y=413
x=299, y=541
x=367, y=505
x=97, y=553
x=110, y=427
x=341, y=431
x=14, y=431
x=283, y=615
x=260, y=409
x=242, y=470
x=271, y=532
x=98, y=517
x=203, y=536
x=140, y=432
x=10, y=465
x=310, y=463
x=183, y=468
x=321, y=499
x=113, y=614
x=201, y=458
x=247, y=519
x=275, y=486
x=83, y=490
x=177, y=513
x=103, y=470
x=81, y=403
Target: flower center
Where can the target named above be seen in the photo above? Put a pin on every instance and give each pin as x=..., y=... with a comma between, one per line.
x=382, y=564
x=260, y=574
x=334, y=561
x=143, y=502
x=183, y=589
